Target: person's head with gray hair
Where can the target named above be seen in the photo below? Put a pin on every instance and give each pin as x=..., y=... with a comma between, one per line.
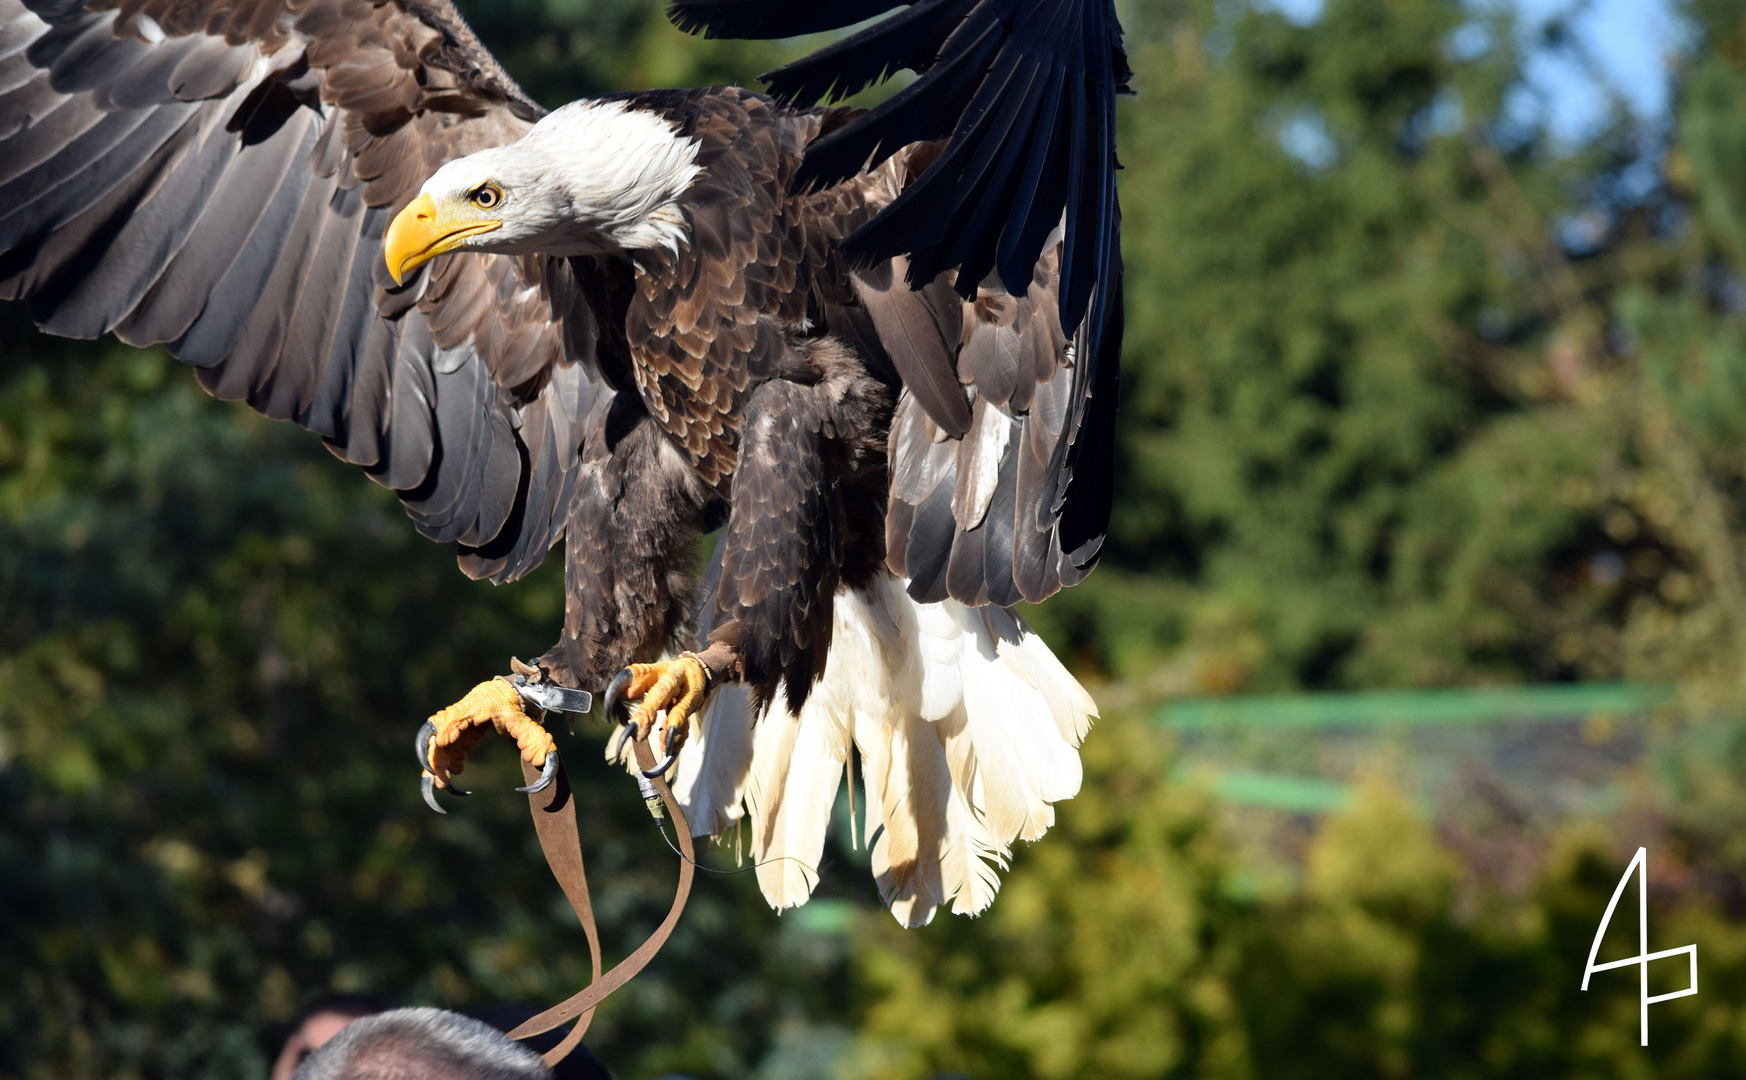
x=422, y=1044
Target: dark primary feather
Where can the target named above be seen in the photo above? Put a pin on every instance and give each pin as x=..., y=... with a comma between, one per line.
x=911, y=39
x=219, y=179
x=992, y=74
x=771, y=18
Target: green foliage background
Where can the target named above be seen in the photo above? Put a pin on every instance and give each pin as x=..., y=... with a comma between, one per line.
x=1430, y=401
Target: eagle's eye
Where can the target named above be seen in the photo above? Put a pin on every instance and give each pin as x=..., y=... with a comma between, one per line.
x=487, y=196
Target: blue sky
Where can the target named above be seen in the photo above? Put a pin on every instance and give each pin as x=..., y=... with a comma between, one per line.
x=1631, y=42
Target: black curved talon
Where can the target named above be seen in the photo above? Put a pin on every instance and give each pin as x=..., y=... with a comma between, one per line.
x=625, y=731
x=613, y=689
x=548, y=773
x=425, y=734
x=428, y=786
x=422, y=742
x=669, y=743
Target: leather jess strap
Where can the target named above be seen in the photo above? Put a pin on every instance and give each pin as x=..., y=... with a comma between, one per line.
x=554, y=815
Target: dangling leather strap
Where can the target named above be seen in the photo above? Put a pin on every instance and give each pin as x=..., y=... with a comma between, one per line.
x=555, y=823
x=554, y=814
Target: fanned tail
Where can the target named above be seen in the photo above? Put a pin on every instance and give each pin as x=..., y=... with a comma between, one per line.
x=967, y=728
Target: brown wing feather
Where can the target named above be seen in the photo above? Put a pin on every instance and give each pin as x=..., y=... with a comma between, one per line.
x=218, y=176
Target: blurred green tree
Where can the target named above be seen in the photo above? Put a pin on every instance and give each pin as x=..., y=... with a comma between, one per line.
x=1414, y=396
x=1385, y=402
x=1123, y=946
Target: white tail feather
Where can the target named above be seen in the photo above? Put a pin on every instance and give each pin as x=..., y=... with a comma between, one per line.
x=971, y=857
x=971, y=861
x=908, y=788
x=1028, y=658
x=1013, y=732
x=940, y=648
x=772, y=749
x=1052, y=757
x=710, y=779
x=792, y=841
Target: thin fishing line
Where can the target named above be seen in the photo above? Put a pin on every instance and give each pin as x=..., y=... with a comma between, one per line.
x=662, y=825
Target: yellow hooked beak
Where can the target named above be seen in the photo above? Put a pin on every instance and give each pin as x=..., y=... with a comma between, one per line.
x=425, y=230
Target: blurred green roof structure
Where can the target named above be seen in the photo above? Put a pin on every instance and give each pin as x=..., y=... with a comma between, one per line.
x=1254, y=750
x=1443, y=705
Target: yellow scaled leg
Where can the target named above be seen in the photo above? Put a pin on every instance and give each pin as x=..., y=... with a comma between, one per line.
x=674, y=687
x=448, y=737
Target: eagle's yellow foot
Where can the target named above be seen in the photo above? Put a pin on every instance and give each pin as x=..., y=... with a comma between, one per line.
x=447, y=738
x=674, y=687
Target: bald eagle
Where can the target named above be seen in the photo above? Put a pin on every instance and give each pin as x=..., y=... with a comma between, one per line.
x=875, y=349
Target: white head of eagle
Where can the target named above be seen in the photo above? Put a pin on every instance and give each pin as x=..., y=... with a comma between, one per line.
x=590, y=178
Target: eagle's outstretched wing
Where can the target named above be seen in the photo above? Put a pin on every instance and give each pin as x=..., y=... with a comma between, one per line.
x=1023, y=92
x=218, y=177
